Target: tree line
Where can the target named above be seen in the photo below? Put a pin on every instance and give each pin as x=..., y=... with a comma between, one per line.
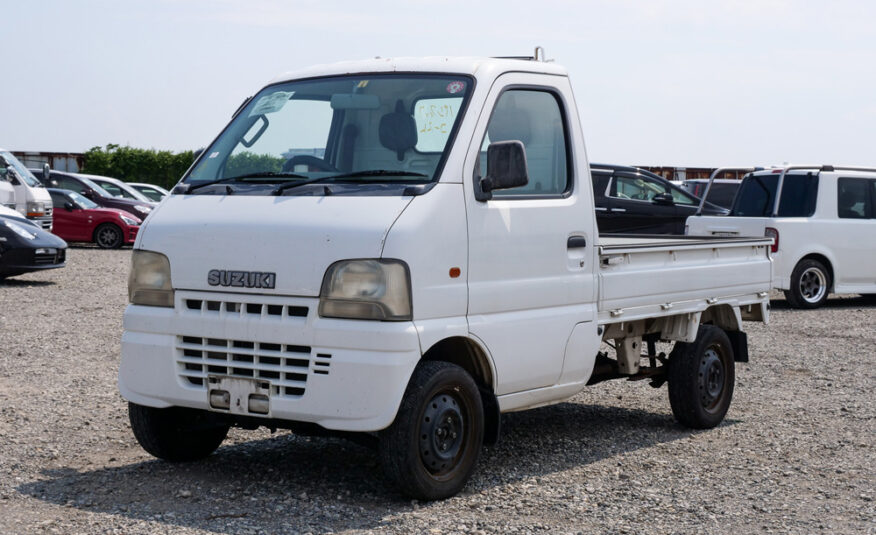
x=161, y=167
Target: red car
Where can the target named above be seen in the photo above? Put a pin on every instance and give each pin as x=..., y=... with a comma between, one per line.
x=77, y=218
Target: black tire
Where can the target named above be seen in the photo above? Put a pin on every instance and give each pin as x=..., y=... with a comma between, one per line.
x=430, y=450
x=176, y=434
x=701, y=378
x=810, y=284
x=108, y=236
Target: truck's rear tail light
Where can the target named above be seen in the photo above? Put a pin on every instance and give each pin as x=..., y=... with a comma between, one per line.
x=770, y=232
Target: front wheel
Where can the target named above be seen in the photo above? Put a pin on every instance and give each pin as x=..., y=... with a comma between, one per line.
x=701, y=378
x=108, y=236
x=430, y=450
x=810, y=284
x=176, y=434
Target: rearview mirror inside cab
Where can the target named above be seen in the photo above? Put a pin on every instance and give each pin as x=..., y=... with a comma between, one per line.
x=506, y=167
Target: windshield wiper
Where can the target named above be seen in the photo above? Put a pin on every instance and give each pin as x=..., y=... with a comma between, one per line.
x=379, y=172
x=260, y=174
x=357, y=174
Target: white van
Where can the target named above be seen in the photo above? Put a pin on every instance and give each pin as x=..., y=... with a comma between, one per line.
x=31, y=197
x=822, y=220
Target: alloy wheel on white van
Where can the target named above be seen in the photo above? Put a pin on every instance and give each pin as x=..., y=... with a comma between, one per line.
x=813, y=285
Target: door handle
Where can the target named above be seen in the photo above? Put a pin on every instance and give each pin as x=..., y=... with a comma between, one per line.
x=576, y=242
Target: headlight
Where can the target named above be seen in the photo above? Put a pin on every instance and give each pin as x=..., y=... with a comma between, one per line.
x=20, y=230
x=129, y=221
x=142, y=209
x=36, y=209
x=366, y=289
x=149, y=282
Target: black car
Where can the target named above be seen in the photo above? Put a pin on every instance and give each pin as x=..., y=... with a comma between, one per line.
x=25, y=247
x=87, y=188
x=630, y=200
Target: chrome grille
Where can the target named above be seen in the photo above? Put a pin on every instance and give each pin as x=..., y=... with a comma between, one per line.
x=285, y=366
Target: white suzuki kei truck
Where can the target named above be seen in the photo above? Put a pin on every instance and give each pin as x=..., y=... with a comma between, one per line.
x=406, y=249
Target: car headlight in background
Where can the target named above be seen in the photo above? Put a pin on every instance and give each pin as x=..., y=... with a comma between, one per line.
x=20, y=230
x=149, y=282
x=129, y=221
x=36, y=209
x=142, y=209
x=375, y=289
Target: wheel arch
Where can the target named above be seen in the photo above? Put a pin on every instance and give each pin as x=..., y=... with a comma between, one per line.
x=469, y=355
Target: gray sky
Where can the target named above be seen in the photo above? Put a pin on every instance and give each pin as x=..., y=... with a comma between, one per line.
x=657, y=81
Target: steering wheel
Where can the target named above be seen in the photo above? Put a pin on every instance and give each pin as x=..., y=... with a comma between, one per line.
x=310, y=161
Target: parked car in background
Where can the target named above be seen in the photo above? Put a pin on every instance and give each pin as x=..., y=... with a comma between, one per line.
x=31, y=198
x=87, y=188
x=822, y=221
x=155, y=193
x=7, y=192
x=722, y=192
x=25, y=247
x=77, y=218
x=630, y=200
x=117, y=188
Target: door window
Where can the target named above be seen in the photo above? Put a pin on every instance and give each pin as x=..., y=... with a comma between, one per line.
x=854, y=198
x=637, y=188
x=535, y=118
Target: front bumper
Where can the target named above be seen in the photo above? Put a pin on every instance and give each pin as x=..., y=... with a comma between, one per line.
x=341, y=374
x=18, y=260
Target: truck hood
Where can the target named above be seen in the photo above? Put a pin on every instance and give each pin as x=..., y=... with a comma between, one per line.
x=296, y=237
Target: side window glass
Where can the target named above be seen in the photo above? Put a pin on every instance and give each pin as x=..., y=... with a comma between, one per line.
x=536, y=119
x=679, y=197
x=854, y=199
x=637, y=188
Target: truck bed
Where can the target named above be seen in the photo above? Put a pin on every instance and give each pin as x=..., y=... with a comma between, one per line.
x=651, y=276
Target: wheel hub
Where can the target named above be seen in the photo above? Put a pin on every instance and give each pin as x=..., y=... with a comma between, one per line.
x=441, y=433
x=812, y=285
x=711, y=377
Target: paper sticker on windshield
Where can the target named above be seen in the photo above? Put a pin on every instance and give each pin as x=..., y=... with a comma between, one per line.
x=455, y=87
x=271, y=103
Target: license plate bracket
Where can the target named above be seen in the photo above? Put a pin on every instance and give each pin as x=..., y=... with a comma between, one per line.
x=239, y=395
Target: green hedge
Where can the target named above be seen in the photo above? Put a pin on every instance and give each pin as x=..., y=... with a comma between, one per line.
x=161, y=167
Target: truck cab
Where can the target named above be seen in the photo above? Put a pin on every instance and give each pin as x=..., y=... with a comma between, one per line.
x=31, y=197
x=408, y=248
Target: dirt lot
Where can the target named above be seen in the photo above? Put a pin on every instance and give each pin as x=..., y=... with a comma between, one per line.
x=795, y=455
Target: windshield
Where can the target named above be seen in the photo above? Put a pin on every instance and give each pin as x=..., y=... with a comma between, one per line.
x=82, y=202
x=757, y=194
x=20, y=170
x=350, y=130
x=121, y=190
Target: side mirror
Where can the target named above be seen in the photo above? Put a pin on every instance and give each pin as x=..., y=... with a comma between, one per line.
x=47, y=170
x=68, y=206
x=663, y=199
x=506, y=168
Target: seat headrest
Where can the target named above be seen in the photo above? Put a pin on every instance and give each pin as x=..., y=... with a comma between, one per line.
x=510, y=123
x=398, y=131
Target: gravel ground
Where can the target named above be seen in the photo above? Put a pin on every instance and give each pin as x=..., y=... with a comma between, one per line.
x=795, y=454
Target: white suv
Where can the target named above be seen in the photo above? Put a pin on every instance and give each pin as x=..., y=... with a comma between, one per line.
x=823, y=224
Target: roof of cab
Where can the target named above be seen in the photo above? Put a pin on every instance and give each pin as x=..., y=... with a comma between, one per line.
x=458, y=65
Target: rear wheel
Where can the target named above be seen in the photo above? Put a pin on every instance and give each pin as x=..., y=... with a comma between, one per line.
x=108, y=236
x=430, y=450
x=810, y=284
x=176, y=434
x=701, y=378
